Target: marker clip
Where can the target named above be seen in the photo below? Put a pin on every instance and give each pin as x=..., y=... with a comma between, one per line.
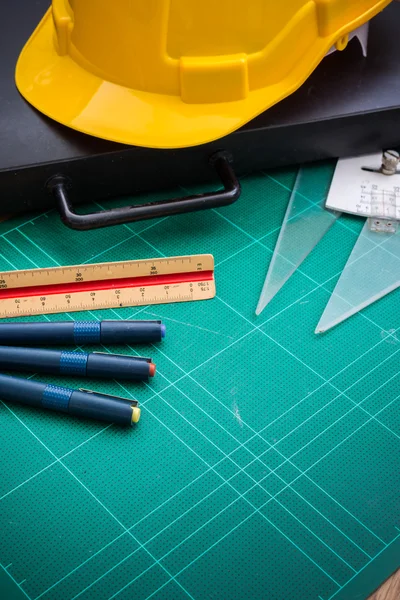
x=131, y=401
x=141, y=358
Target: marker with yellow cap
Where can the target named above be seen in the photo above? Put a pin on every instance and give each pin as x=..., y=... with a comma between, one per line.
x=79, y=403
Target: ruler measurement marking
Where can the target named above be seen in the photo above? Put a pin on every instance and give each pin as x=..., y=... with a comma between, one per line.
x=184, y=280
x=90, y=272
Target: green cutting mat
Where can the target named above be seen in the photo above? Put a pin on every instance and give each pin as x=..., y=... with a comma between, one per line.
x=266, y=462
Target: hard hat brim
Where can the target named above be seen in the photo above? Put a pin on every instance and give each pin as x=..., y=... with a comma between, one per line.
x=64, y=91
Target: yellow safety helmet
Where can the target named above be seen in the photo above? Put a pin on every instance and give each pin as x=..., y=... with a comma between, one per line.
x=176, y=73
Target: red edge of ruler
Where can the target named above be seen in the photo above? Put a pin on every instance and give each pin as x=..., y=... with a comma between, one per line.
x=107, y=284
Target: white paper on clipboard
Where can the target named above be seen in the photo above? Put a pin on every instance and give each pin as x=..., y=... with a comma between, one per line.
x=364, y=193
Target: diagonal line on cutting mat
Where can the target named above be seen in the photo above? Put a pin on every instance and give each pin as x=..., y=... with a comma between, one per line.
x=325, y=406
x=17, y=487
x=365, y=566
x=191, y=325
x=16, y=583
x=138, y=234
x=249, y=516
x=36, y=246
x=332, y=385
x=9, y=261
x=243, y=249
x=282, y=185
x=45, y=214
x=308, y=366
x=285, y=187
x=172, y=578
x=122, y=241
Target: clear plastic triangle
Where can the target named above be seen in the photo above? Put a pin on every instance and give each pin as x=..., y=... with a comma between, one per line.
x=304, y=225
x=372, y=272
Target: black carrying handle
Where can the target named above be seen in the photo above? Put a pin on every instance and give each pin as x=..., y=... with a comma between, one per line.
x=59, y=184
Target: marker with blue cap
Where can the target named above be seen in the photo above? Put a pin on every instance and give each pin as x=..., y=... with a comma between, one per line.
x=81, y=332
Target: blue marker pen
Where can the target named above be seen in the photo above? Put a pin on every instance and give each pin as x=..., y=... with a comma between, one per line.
x=79, y=364
x=81, y=332
x=79, y=403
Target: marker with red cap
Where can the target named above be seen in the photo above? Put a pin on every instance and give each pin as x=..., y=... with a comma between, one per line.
x=78, y=364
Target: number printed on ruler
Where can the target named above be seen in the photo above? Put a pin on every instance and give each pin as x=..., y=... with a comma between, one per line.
x=125, y=297
x=106, y=271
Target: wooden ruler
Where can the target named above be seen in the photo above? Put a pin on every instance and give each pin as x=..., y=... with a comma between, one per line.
x=106, y=285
